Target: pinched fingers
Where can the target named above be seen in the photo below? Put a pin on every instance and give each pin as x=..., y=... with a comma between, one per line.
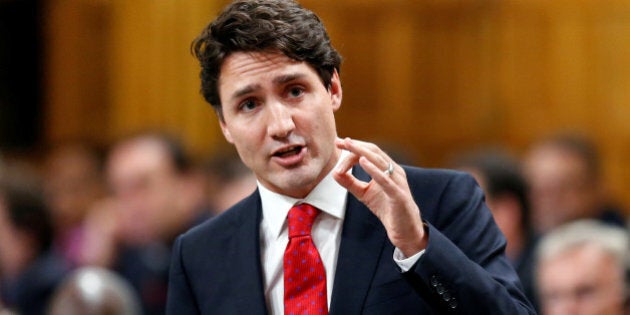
x=387, y=195
x=383, y=170
x=365, y=149
x=346, y=179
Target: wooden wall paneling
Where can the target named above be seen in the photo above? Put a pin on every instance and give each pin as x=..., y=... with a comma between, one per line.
x=394, y=53
x=578, y=48
x=134, y=70
x=155, y=81
x=76, y=70
x=436, y=76
x=200, y=122
x=609, y=49
x=568, y=73
x=523, y=70
x=359, y=77
x=141, y=90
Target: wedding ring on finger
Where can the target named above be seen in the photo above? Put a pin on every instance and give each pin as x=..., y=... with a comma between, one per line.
x=390, y=169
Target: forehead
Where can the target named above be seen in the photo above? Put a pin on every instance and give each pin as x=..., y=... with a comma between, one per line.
x=136, y=156
x=555, y=164
x=583, y=263
x=255, y=62
x=556, y=155
x=245, y=68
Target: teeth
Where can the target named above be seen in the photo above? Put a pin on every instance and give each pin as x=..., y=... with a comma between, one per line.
x=289, y=151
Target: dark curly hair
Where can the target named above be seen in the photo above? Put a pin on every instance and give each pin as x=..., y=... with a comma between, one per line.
x=263, y=25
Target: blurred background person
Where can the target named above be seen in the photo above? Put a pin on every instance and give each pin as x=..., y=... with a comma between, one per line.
x=95, y=291
x=29, y=270
x=226, y=180
x=582, y=270
x=72, y=184
x=5, y=311
x=499, y=175
x=564, y=173
x=155, y=196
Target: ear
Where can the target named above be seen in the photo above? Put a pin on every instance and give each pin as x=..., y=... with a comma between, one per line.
x=335, y=90
x=226, y=131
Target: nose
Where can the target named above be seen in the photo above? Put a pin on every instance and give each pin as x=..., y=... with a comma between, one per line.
x=280, y=120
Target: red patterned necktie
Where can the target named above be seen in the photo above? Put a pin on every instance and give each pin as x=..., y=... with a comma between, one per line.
x=304, y=274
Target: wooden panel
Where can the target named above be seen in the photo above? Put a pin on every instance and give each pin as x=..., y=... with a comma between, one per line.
x=75, y=78
x=434, y=77
x=116, y=67
x=154, y=79
x=449, y=75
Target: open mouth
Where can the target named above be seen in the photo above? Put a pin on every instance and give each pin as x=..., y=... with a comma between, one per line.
x=288, y=151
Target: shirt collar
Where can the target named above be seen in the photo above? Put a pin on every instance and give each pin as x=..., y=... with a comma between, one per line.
x=328, y=196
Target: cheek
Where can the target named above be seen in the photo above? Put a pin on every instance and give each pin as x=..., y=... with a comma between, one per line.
x=248, y=140
x=330, y=118
x=248, y=149
x=321, y=121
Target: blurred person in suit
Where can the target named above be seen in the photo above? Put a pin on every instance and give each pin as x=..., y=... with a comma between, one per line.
x=565, y=178
x=155, y=195
x=499, y=175
x=227, y=180
x=335, y=225
x=582, y=269
x=29, y=269
x=73, y=183
x=95, y=291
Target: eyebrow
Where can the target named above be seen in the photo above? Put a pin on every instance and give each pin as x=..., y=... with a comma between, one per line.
x=278, y=80
x=288, y=78
x=245, y=90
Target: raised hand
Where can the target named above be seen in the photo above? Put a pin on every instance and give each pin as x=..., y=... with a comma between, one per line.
x=387, y=195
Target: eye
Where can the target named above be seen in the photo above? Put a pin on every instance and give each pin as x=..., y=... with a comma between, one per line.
x=248, y=105
x=296, y=91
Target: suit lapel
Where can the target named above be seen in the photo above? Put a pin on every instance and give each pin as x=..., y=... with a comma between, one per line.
x=248, y=283
x=362, y=241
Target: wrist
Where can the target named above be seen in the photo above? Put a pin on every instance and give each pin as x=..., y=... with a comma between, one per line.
x=418, y=243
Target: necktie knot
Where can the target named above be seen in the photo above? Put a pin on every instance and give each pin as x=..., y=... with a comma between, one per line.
x=301, y=218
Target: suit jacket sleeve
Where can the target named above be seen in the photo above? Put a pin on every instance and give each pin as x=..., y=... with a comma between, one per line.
x=180, y=298
x=464, y=269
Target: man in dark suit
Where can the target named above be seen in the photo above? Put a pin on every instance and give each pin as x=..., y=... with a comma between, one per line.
x=335, y=226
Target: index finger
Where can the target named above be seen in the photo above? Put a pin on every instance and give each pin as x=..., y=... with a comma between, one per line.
x=372, y=152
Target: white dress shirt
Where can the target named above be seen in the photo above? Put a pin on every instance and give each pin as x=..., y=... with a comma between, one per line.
x=329, y=197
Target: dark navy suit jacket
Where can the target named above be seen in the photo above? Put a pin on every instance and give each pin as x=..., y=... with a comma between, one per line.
x=216, y=267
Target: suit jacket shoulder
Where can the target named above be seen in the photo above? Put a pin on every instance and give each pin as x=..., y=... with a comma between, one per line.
x=216, y=265
x=464, y=263
x=215, y=229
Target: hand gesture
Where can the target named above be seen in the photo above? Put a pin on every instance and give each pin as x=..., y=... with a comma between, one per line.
x=387, y=195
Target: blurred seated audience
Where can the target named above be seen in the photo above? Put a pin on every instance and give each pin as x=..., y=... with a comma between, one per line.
x=29, y=270
x=565, y=178
x=5, y=311
x=155, y=196
x=227, y=181
x=500, y=177
x=72, y=184
x=95, y=291
x=583, y=270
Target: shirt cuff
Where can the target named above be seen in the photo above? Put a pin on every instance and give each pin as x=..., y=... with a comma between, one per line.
x=405, y=263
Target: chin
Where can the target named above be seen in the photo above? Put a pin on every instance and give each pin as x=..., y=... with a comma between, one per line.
x=293, y=183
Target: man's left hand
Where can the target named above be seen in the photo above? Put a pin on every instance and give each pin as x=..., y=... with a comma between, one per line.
x=387, y=195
